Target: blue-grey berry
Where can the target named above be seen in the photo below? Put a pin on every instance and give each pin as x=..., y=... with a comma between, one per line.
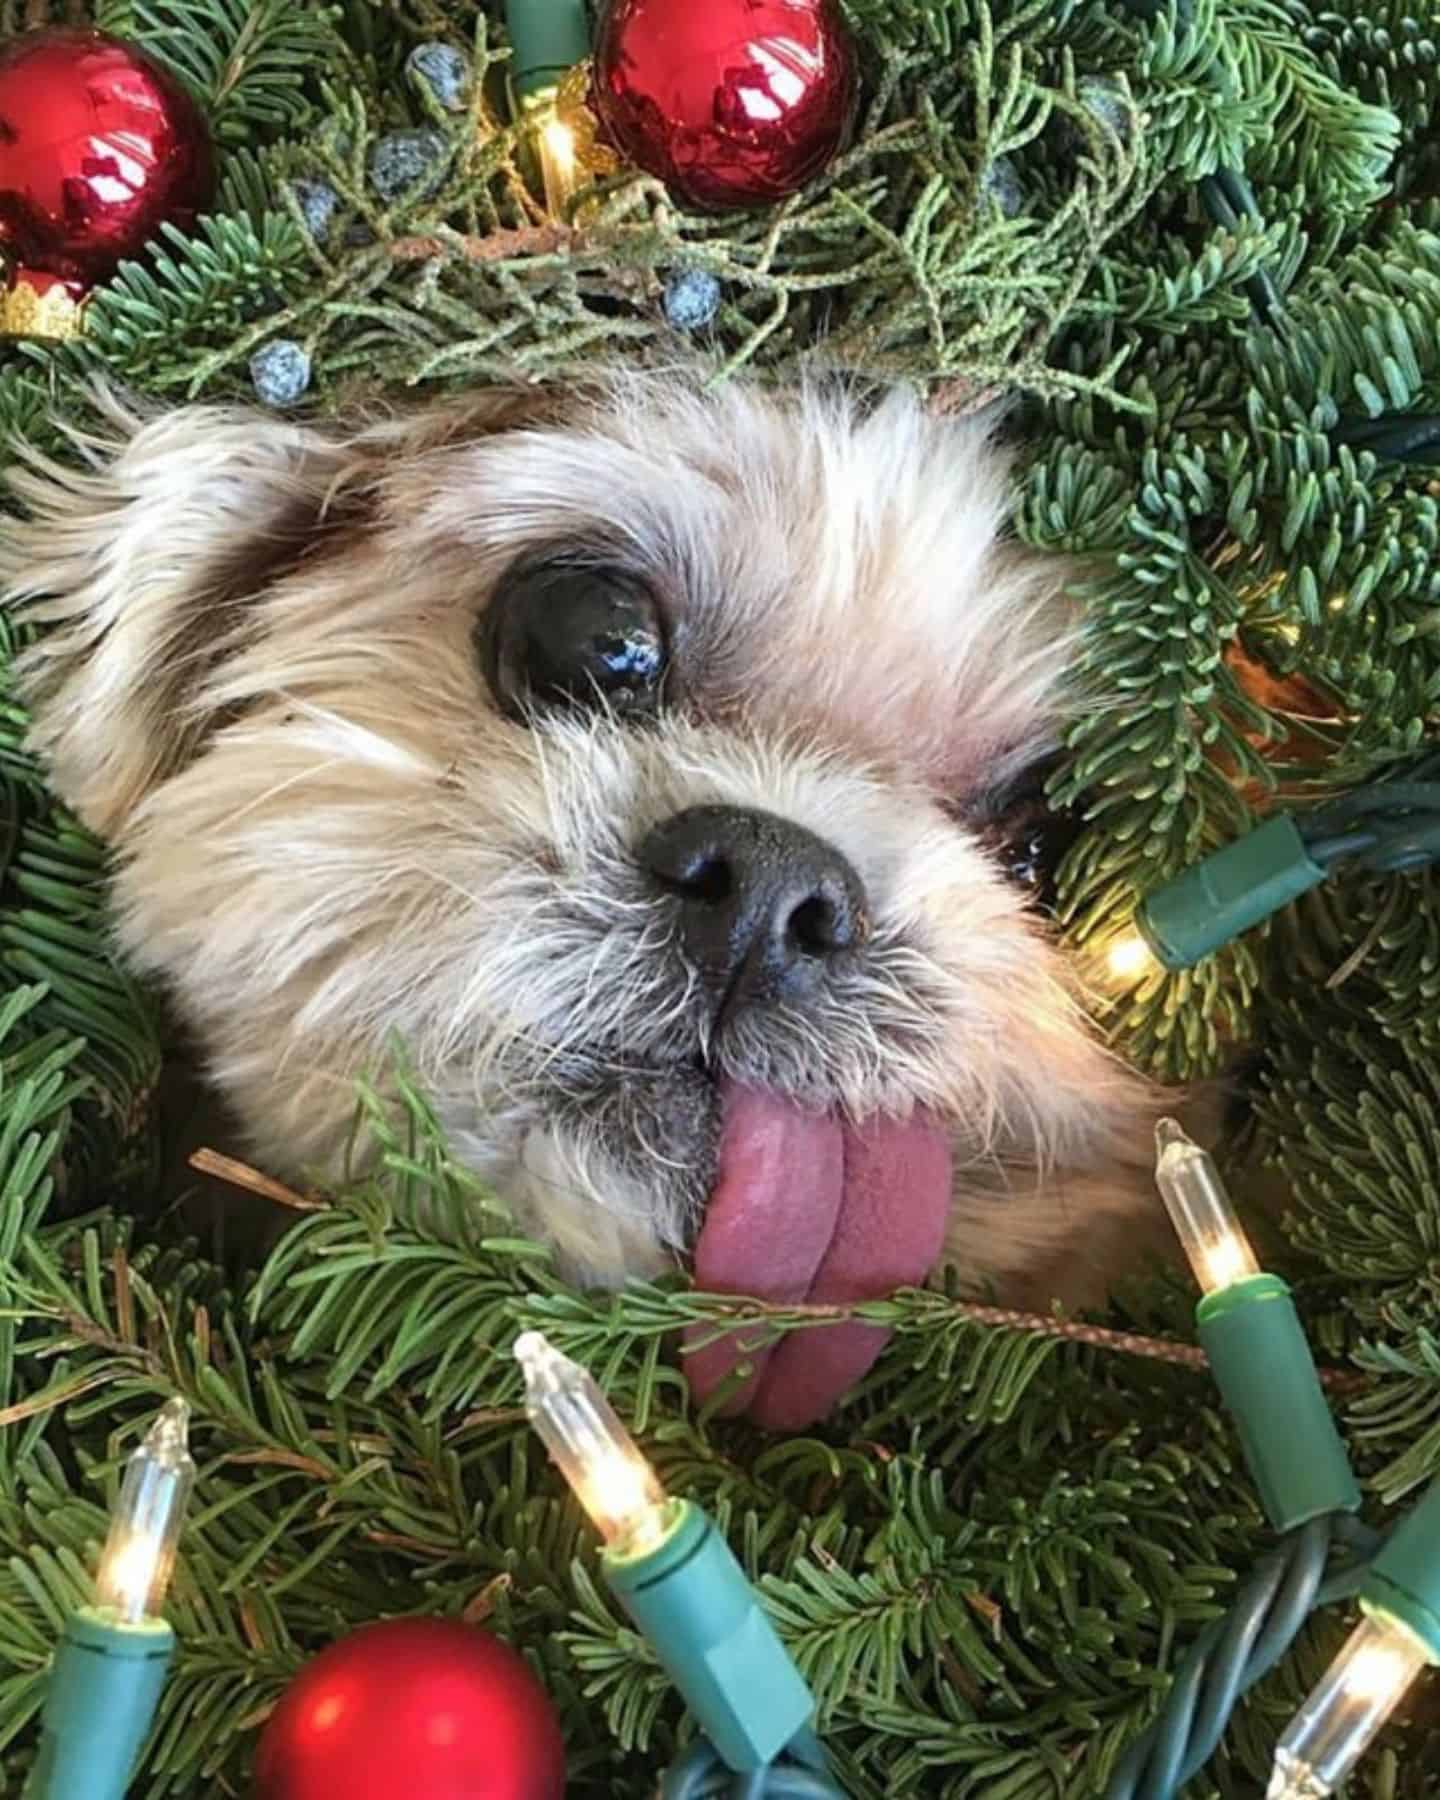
x=318, y=203
x=444, y=70
x=280, y=371
x=401, y=159
x=691, y=299
x=1105, y=101
x=1108, y=102
x=1000, y=185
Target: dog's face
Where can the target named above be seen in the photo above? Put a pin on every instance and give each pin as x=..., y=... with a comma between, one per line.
x=634, y=760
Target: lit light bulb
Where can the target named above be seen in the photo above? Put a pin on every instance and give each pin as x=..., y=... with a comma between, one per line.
x=139, y=1555
x=591, y=1448
x=1200, y=1211
x=1128, y=959
x=1346, y=1708
x=555, y=147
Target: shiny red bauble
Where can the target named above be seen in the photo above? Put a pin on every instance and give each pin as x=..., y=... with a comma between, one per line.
x=98, y=146
x=731, y=103
x=412, y=1709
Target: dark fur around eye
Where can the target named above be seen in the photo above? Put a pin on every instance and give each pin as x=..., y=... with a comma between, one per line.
x=572, y=635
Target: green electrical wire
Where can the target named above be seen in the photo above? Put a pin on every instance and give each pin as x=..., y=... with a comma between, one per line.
x=1386, y=826
x=1394, y=437
x=1227, y=195
x=799, y=1775
x=1236, y=1651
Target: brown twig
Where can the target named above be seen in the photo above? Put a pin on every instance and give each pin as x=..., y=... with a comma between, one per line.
x=495, y=246
x=50, y=1398
x=284, y=1459
x=960, y=396
x=1101, y=1337
x=480, y=1606
x=1131, y=1343
x=238, y=1174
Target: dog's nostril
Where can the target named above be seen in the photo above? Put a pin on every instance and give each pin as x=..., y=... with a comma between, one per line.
x=710, y=879
x=815, y=927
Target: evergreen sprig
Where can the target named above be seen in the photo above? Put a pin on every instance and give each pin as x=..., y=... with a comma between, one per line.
x=352, y=1470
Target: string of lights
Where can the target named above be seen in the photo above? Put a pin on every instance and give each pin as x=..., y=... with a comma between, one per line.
x=547, y=43
x=674, y=1574
x=688, y=1595
x=679, y=1581
x=110, y=1665
x=1248, y=1325
x=1234, y=1652
x=1386, y=826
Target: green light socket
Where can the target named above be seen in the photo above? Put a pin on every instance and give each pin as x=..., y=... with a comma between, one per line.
x=701, y=1616
x=1223, y=895
x=1266, y=1375
x=1404, y=1575
x=105, y=1684
x=547, y=39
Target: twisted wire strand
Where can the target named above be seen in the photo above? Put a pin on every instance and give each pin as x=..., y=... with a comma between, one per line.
x=799, y=1774
x=1385, y=826
x=1236, y=1651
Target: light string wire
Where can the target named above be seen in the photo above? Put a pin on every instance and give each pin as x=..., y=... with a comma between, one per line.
x=1236, y=1651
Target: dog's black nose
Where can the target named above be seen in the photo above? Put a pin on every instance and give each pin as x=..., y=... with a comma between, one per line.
x=764, y=904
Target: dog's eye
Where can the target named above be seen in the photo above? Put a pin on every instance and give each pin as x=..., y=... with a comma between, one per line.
x=568, y=635
x=1030, y=839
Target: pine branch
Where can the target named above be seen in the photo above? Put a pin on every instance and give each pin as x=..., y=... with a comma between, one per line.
x=251, y=63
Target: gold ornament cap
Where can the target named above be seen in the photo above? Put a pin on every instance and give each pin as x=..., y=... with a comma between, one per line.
x=39, y=305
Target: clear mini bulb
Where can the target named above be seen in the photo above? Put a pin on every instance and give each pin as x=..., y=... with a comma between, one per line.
x=591, y=1448
x=1349, y=1704
x=139, y=1555
x=1128, y=958
x=1200, y=1210
x=555, y=147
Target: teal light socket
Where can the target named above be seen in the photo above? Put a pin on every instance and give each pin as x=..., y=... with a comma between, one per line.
x=1404, y=1575
x=701, y=1616
x=105, y=1684
x=1223, y=895
x=547, y=39
x=1266, y=1375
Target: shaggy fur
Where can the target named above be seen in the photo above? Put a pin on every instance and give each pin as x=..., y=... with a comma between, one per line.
x=259, y=682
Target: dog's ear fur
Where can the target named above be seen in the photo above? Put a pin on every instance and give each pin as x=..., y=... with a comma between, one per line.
x=140, y=567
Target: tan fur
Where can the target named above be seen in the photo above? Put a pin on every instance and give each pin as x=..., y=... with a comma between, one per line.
x=259, y=682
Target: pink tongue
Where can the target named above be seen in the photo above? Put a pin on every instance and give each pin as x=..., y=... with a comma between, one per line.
x=807, y=1208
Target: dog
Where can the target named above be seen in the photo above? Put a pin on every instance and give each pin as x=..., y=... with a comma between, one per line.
x=640, y=758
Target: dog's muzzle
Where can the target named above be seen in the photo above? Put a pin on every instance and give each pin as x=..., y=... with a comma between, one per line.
x=806, y=1207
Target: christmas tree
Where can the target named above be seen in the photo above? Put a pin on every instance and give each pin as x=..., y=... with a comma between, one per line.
x=1199, y=242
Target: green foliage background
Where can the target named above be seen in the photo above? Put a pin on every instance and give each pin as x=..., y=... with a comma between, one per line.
x=988, y=1563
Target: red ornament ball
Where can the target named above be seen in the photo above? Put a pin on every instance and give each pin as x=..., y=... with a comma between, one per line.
x=98, y=145
x=730, y=102
x=412, y=1709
